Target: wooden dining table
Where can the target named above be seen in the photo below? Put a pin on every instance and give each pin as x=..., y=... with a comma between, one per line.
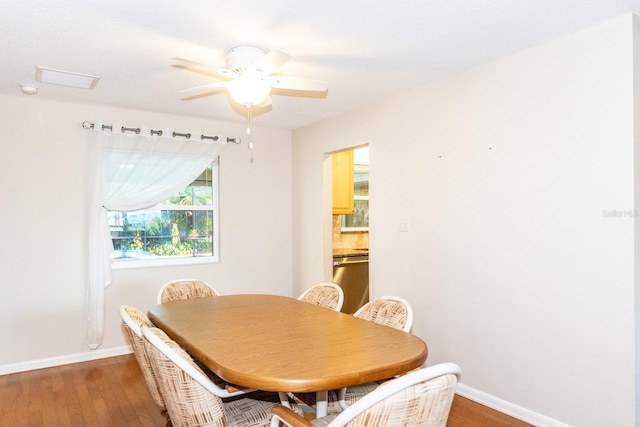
x=281, y=344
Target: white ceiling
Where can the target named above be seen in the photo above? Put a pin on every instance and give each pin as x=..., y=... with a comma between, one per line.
x=365, y=49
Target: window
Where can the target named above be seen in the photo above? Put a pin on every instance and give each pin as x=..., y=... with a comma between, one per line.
x=183, y=228
x=359, y=221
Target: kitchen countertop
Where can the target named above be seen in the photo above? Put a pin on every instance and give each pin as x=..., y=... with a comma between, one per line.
x=341, y=253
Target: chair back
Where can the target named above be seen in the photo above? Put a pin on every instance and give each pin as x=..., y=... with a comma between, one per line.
x=182, y=289
x=390, y=311
x=325, y=294
x=133, y=319
x=419, y=398
x=188, y=402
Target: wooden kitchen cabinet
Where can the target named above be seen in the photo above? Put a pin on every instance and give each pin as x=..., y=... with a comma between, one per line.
x=342, y=168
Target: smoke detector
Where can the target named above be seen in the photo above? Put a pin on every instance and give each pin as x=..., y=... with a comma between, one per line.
x=28, y=89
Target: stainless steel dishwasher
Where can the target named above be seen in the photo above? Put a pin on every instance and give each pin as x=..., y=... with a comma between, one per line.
x=352, y=274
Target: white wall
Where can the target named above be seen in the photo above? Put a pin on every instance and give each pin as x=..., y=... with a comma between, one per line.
x=43, y=226
x=507, y=173
x=636, y=104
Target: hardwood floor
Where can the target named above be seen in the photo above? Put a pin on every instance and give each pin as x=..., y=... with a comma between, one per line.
x=105, y=392
x=467, y=413
x=112, y=392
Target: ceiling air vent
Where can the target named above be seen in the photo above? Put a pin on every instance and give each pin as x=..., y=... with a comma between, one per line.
x=66, y=78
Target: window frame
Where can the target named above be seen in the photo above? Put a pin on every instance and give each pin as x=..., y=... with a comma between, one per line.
x=170, y=261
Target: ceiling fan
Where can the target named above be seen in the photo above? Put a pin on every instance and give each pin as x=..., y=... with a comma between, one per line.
x=249, y=76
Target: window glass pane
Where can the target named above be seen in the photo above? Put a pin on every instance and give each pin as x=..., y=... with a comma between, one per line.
x=198, y=193
x=360, y=217
x=182, y=226
x=361, y=183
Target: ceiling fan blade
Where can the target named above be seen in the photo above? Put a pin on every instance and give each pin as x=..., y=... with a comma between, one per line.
x=190, y=65
x=298, y=83
x=270, y=62
x=265, y=103
x=210, y=87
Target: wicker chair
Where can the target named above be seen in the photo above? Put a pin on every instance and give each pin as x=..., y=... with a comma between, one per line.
x=391, y=311
x=185, y=289
x=133, y=319
x=192, y=399
x=419, y=398
x=325, y=294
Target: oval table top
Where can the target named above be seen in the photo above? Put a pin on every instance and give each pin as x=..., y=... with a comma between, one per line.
x=277, y=343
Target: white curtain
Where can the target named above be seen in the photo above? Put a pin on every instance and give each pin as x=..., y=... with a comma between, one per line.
x=132, y=172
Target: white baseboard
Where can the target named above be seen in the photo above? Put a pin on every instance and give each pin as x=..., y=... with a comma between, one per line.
x=508, y=408
x=64, y=360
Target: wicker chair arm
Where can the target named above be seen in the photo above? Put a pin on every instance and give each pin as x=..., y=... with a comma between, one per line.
x=288, y=417
x=191, y=370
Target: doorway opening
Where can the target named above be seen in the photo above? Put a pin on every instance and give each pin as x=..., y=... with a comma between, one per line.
x=350, y=225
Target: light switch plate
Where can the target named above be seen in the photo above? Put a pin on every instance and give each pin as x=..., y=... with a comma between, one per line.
x=404, y=224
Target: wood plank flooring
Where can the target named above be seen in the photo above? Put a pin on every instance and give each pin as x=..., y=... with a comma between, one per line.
x=112, y=392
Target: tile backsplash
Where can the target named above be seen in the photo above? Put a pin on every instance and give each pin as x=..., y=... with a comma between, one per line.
x=348, y=240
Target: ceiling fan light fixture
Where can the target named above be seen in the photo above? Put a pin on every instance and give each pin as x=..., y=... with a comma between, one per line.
x=248, y=91
x=243, y=56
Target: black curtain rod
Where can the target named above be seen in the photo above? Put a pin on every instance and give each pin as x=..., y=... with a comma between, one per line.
x=89, y=125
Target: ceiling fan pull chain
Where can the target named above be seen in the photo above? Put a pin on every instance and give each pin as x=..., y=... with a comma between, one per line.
x=249, y=120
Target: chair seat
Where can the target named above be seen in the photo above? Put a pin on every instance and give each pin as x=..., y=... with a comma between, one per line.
x=247, y=412
x=353, y=394
x=324, y=421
